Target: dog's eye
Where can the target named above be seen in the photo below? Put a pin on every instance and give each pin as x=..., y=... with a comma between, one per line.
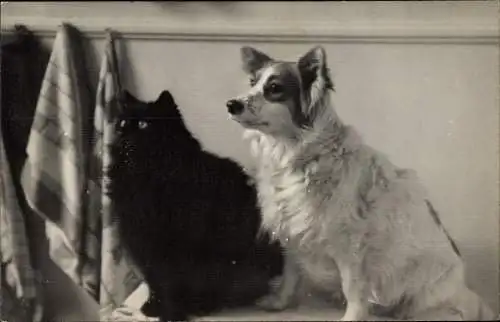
x=143, y=125
x=275, y=89
x=123, y=123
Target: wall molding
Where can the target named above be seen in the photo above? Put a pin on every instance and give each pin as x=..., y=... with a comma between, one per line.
x=394, y=22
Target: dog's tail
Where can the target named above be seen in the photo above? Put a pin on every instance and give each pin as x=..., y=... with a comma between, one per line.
x=484, y=312
x=475, y=309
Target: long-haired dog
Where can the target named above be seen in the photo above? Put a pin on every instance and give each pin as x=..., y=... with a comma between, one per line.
x=348, y=218
x=188, y=219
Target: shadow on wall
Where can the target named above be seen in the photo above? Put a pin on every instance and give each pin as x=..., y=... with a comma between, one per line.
x=124, y=66
x=187, y=6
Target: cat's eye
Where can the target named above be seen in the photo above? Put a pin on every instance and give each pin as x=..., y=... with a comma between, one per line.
x=143, y=125
x=252, y=82
x=123, y=123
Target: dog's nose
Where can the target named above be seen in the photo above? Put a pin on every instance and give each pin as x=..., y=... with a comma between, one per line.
x=234, y=106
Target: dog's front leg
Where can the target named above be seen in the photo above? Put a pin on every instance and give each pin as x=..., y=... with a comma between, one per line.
x=285, y=294
x=355, y=288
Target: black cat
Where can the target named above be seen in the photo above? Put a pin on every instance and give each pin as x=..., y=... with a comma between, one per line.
x=189, y=218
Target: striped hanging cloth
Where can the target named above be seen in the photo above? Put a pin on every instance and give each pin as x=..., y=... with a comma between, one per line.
x=55, y=172
x=15, y=253
x=118, y=279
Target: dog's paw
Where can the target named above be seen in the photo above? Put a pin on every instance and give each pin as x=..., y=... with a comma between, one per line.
x=274, y=302
x=355, y=315
x=275, y=283
x=368, y=318
x=350, y=318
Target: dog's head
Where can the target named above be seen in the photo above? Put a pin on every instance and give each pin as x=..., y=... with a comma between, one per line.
x=284, y=96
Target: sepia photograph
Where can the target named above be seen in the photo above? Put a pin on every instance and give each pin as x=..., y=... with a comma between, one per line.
x=250, y=161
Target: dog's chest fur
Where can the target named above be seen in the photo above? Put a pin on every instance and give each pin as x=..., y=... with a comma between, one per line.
x=306, y=203
x=294, y=192
x=280, y=189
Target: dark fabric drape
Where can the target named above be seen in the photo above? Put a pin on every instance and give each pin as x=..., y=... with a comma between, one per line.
x=23, y=63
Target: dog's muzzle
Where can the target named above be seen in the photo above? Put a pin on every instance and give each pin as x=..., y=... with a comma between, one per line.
x=235, y=107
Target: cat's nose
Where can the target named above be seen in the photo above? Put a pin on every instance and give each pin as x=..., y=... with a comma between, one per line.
x=235, y=107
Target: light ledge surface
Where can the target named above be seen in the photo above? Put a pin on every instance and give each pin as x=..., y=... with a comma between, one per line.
x=467, y=21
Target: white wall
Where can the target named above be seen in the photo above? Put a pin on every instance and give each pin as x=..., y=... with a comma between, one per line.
x=418, y=80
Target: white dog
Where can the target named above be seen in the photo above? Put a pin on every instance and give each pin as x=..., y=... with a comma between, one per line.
x=348, y=218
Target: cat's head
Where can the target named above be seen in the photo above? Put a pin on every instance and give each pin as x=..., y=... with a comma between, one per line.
x=141, y=118
x=151, y=131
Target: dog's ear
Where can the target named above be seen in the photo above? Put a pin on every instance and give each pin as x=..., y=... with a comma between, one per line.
x=313, y=67
x=315, y=77
x=253, y=59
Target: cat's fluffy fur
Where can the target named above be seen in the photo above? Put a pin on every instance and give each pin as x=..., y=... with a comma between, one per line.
x=348, y=218
x=188, y=218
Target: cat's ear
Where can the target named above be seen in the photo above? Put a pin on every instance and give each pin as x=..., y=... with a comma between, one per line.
x=166, y=99
x=126, y=97
x=166, y=105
